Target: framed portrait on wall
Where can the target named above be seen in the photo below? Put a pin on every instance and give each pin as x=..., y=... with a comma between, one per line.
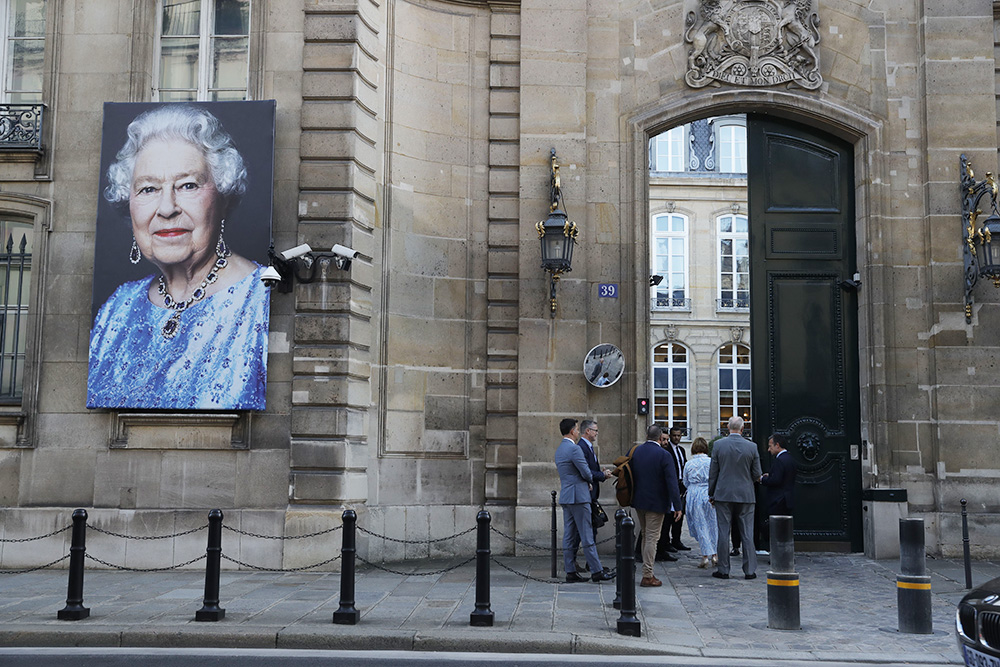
x=179, y=313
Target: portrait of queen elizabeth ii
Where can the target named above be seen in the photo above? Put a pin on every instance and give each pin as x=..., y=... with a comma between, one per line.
x=191, y=332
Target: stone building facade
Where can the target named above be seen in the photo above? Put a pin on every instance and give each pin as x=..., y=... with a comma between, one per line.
x=428, y=381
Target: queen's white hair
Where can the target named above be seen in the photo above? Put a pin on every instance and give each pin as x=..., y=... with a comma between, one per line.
x=192, y=124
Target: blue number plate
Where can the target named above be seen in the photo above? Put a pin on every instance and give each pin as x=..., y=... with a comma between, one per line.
x=974, y=658
x=608, y=290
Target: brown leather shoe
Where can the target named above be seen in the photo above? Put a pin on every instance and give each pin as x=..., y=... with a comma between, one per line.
x=650, y=581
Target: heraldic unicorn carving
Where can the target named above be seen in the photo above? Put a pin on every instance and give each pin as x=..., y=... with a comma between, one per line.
x=753, y=43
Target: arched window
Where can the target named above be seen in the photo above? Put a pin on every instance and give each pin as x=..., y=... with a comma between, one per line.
x=734, y=384
x=734, y=263
x=670, y=247
x=670, y=385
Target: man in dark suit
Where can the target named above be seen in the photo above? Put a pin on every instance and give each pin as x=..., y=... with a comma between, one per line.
x=588, y=436
x=734, y=470
x=780, y=482
x=655, y=495
x=670, y=541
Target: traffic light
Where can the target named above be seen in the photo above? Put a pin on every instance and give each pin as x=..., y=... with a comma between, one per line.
x=643, y=407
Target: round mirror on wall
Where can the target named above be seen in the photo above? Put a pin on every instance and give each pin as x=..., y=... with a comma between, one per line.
x=603, y=365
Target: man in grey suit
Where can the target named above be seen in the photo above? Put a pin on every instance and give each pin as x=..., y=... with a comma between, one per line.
x=575, y=479
x=734, y=470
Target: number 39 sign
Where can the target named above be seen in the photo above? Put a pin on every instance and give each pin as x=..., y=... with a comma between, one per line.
x=608, y=290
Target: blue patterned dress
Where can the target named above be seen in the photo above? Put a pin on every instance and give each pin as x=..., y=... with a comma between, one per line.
x=216, y=361
x=700, y=513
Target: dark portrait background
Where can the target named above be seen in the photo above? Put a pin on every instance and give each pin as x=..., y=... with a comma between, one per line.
x=248, y=226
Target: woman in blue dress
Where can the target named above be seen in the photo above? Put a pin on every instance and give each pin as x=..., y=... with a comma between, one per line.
x=700, y=513
x=193, y=335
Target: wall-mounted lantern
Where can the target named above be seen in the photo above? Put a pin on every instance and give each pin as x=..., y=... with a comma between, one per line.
x=558, y=236
x=983, y=262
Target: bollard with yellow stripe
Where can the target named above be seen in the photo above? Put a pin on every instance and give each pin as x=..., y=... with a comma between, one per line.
x=913, y=596
x=783, y=601
x=782, y=579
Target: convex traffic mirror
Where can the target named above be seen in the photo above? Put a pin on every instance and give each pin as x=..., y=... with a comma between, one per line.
x=604, y=365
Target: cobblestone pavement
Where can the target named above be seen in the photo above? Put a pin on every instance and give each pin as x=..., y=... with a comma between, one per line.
x=848, y=611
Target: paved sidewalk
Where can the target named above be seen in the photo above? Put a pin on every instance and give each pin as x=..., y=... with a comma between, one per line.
x=848, y=609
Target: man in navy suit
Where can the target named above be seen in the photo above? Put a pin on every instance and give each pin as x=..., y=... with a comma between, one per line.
x=780, y=481
x=656, y=494
x=588, y=436
x=574, y=496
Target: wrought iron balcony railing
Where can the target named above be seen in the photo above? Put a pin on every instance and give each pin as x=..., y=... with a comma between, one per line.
x=669, y=303
x=21, y=126
x=739, y=304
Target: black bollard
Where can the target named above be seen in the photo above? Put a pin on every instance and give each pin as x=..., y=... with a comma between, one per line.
x=211, y=611
x=482, y=616
x=782, y=579
x=628, y=624
x=347, y=614
x=555, y=537
x=913, y=586
x=965, y=545
x=74, y=609
x=619, y=515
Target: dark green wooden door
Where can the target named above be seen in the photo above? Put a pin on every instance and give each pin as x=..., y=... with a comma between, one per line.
x=804, y=320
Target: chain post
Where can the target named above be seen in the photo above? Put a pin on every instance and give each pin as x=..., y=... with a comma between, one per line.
x=628, y=624
x=348, y=614
x=555, y=536
x=482, y=616
x=74, y=609
x=966, y=555
x=211, y=611
x=619, y=516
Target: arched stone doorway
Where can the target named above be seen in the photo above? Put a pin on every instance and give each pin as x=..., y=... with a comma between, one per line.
x=830, y=477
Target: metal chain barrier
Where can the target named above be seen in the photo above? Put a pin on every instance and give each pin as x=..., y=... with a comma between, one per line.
x=516, y=540
x=415, y=574
x=522, y=574
x=439, y=539
x=145, y=537
x=32, y=539
x=282, y=537
x=35, y=569
x=143, y=569
x=279, y=569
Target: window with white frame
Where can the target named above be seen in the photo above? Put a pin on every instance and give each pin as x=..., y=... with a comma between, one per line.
x=23, y=50
x=668, y=150
x=203, y=50
x=732, y=142
x=734, y=263
x=670, y=385
x=734, y=384
x=670, y=241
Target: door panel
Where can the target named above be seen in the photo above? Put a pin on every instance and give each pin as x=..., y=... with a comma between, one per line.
x=804, y=323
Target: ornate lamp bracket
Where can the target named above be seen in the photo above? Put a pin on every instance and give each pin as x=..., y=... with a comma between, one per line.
x=977, y=262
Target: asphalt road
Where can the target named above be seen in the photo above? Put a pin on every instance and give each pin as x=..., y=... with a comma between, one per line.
x=164, y=657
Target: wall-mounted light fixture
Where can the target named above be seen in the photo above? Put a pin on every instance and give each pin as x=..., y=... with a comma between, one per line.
x=558, y=236
x=300, y=263
x=983, y=262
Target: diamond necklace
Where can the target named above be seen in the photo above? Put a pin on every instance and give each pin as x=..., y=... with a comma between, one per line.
x=173, y=324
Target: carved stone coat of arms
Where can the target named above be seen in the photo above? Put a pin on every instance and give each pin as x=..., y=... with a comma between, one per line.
x=753, y=43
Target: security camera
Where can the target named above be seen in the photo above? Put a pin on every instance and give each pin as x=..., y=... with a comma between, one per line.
x=297, y=251
x=344, y=251
x=271, y=278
